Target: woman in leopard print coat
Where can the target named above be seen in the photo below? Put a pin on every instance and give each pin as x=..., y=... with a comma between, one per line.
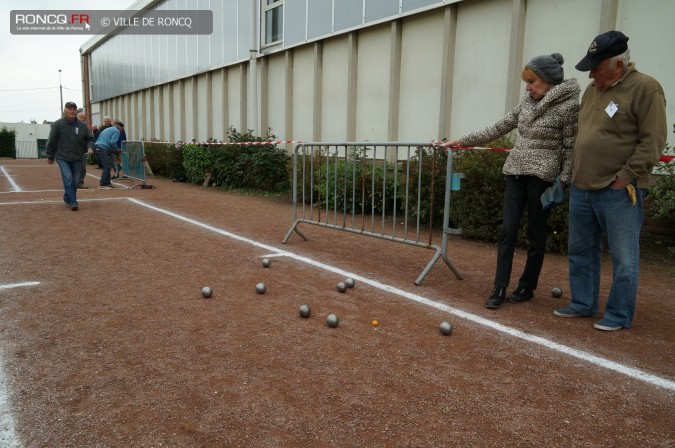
x=546, y=120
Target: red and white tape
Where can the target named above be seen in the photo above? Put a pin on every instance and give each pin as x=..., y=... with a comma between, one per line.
x=664, y=158
x=274, y=142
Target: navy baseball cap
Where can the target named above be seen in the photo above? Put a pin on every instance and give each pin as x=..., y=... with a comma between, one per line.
x=604, y=46
x=70, y=104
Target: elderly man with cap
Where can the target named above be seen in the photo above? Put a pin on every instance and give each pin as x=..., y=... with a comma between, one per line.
x=546, y=119
x=68, y=139
x=622, y=132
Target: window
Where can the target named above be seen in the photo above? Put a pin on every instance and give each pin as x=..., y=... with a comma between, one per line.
x=273, y=11
x=42, y=148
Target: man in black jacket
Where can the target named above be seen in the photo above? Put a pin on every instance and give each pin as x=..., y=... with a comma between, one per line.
x=69, y=138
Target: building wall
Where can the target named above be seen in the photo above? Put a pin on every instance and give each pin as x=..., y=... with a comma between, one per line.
x=437, y=73
x=27, y=135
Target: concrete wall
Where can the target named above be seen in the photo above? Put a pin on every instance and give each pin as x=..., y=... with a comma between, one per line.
x=439, y=73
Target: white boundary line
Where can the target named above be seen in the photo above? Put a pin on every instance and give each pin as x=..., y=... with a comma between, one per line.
x=8, y=436
x=579, y=354
x=9, y=178
x=18, y=189
x=18, y=285
x=59, y=201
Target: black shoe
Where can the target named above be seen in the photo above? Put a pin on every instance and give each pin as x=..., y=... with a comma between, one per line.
x=496, y=298
x=520, y=295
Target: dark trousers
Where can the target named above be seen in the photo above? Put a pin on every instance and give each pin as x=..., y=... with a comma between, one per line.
x=104, y=159
x=521, y=192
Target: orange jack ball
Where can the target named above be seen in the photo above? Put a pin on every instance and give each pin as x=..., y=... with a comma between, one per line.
x=375, y=323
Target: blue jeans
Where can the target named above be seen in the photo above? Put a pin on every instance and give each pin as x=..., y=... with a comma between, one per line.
x=104, y=159
x=521, y=192
x=610, y=212
x=70, y=173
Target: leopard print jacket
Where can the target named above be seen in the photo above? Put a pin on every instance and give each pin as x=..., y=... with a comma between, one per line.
x=546, y=132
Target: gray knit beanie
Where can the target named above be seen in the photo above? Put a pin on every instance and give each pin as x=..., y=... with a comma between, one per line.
x=548, y=68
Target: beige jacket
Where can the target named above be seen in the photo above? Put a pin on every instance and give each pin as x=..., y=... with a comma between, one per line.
x=546, y=130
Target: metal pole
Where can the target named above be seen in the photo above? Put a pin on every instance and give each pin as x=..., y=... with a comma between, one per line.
x=61, y=91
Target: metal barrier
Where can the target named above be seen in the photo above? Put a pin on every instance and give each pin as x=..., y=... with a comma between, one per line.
x=365, y=188
x=133, y=154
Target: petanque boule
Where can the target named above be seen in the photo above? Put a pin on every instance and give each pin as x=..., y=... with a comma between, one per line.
x=350, y=282
x=207, y=292
x=260, y=288
x=556, y=292
x=445, y=328
x=265, y=262
x=305, y=311
x=332, y=320
x=341, y=287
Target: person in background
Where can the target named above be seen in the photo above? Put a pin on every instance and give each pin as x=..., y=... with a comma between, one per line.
x=117, y=157
x=106, y=146
x=107, y=122
x=83, y=172
x=546, y=119
x=622, y=133
x=68, y=139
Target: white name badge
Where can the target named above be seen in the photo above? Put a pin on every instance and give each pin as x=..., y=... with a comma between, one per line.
x=611, y=109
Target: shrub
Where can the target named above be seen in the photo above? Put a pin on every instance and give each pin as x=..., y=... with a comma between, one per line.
x=197, y=160
x=353, y=191
x=477, y=207
x=166, y=159
x=433, y=163
x=259, y=167
x=662, y=194
x=7, y=142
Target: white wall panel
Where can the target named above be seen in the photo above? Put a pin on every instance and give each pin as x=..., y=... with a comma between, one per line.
x=373, y=79
x=651, y=39
x=420, y=93
x=481, y=61
x=276, y=96
x=303, y=92
x=334, y=114
x=540, y=40
x=219, y=128
x=233, y=108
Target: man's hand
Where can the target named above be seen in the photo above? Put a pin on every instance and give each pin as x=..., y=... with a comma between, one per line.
x=618, y=184
x=50, y=161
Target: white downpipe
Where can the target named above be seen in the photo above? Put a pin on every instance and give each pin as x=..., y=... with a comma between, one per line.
x=253, y=73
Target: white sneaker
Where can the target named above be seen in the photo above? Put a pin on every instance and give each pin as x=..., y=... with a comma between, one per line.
x=107, y=187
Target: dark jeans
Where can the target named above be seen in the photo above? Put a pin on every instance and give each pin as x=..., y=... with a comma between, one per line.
x=521, y=192
x=104, y=159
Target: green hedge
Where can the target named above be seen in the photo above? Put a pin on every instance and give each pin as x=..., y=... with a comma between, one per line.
x=258, y=167
x=7, y=142
x=165, y=159
x=359, y=198
x=662, y=194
